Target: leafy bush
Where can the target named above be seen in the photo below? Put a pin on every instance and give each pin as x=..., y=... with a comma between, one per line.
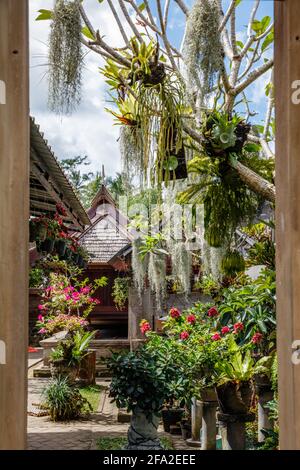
x=63, y=401
x=120, y=291
x=144, y=379
x=36, y=277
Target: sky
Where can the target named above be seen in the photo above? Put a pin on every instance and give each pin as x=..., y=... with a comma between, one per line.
x=90, y=130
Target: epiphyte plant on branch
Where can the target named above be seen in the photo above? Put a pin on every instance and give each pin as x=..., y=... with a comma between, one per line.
x=243, y=62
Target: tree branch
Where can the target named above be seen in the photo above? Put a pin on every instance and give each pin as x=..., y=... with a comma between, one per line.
x=116, y=16
x=128, y=19
x=253, y=76
x=182, y=6
x=254, y=181
x=165, y=39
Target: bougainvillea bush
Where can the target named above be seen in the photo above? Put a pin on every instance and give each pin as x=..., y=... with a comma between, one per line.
x=66, y=303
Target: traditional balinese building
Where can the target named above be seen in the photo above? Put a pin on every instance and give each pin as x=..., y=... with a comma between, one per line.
x=108, y=243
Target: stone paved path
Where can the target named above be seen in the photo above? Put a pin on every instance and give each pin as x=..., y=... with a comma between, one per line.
x=43, y=434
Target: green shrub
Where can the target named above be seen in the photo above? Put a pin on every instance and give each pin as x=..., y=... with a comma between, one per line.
x=64, y=401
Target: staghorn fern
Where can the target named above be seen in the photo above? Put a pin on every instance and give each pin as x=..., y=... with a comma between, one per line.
x=65, y=57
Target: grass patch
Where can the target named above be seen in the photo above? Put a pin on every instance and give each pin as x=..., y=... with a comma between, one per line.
x=118, y=443
x=92, y=393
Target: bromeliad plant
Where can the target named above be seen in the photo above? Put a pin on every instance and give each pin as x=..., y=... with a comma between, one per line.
x=70, y=351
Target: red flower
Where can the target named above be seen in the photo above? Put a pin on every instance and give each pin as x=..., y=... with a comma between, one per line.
x=184, y=335
x=212, y=312
x=256, y=338
x=63, y=234
x=225, y=330
x=191, y=319
x=238, y=327
x=60, y=209
x=145, y=326
x=216, y=337
x=174, y=312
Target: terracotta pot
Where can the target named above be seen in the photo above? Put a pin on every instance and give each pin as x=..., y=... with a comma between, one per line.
x=171, y=417
x=235, y=398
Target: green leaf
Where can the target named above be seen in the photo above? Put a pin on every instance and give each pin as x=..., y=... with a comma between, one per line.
x=240, y=44
x=142, y=6
x=268, y=40
x=44, y=15
x=100, y=1
x=256, y=26
x=86, y=32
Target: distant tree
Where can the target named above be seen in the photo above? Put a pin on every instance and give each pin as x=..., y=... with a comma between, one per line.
x=72, y=168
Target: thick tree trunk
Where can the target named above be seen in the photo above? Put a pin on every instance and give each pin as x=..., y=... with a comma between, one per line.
x=255, y=182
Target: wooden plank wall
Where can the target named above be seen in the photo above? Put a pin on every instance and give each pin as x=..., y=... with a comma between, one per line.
x=287, y=92
x=14, y=212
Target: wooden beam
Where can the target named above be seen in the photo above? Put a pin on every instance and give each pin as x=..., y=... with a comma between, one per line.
x=50, y=188
x=287, y=103
x=14, y=213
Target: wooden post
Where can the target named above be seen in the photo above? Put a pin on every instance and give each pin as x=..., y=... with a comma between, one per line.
x=287, y=86
x=14, y=212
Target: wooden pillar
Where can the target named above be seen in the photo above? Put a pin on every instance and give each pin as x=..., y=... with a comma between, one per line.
x=138, y=309
x=287, y=94
x=14, y=210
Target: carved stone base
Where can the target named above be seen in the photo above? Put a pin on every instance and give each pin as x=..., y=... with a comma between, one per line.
x=142, y=433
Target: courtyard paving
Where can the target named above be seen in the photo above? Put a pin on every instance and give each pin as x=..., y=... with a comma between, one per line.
x=82, y=434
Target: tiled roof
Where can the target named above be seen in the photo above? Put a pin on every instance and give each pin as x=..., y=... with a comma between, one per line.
x=108, y=235
x=104, y=239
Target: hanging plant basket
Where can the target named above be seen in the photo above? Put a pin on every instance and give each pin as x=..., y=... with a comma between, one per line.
x=60, y=247
x=67, y=255
x=37, y=231
x=235, y=397
x=75, y=257
x=47, y=245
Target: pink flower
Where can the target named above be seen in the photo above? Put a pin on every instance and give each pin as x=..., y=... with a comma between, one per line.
x=225, y=330
x=237, y=327
x=174, y=312
x=75, y=296
x=42, y=307
x=184, y=335
x=40, y=318
x=212, y=312
x=191, y=319
x=67, y=297
x=256, y=338
x=144, y=326
x=42, y=331
x=85, y=290
x=216, y=337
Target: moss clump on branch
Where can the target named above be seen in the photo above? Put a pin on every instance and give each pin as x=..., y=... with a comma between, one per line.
x=202, y=49
x=65, y=57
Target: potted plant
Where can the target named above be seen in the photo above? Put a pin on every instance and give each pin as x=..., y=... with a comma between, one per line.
x=66, y=357
x=142, y=382
x=235, y=379
x=37, y=229
x=61, y=244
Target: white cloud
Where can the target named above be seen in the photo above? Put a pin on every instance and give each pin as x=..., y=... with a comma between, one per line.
x=90, y=129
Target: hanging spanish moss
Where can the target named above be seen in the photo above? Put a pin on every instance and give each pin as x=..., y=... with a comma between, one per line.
x=139, y=266
x=157, y=277
x=202, y=49
x=65, y=57
x=181, y=260
x=131, y=155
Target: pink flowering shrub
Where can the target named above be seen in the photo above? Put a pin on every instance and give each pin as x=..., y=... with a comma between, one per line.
x=66, y=303
x=50, y=325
